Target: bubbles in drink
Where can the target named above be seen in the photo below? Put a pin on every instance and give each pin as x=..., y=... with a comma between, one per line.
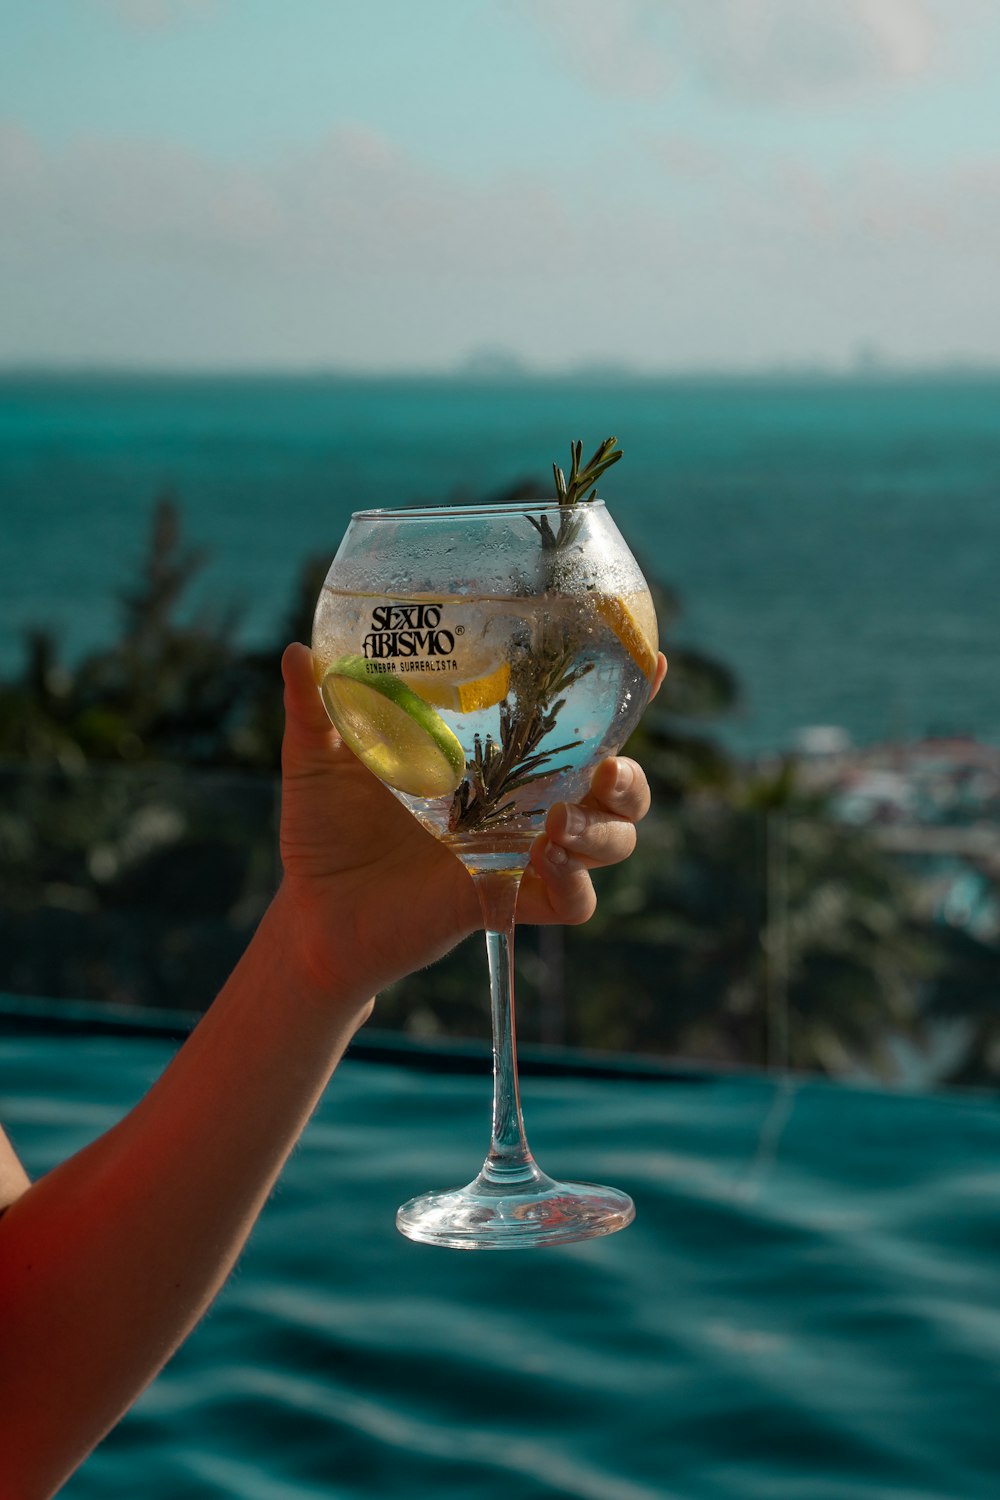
x=536, y=690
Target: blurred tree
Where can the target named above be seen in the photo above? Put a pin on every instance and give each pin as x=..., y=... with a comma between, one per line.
x=753, y=928
x=964, y=994
x=750, y=926
x=170, y=688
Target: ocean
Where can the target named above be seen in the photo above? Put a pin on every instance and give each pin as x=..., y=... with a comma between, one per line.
x=834, y=541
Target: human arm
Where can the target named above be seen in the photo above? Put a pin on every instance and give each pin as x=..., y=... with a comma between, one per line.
x=108, y=1261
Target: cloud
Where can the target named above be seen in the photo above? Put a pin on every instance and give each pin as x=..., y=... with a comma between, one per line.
x=353, y=202
x=627, y=48
x=358, y=251
x=334, y=251
x=765, y=51
x=126, y=198
x=791, y=50
x=157, y=15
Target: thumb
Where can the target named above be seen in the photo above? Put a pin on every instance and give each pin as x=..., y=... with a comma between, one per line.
x=307, y=728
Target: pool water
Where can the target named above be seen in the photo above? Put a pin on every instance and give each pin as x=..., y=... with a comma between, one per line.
x=807, y=1305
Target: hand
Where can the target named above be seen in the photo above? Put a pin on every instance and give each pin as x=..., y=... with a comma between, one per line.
x=373, y=895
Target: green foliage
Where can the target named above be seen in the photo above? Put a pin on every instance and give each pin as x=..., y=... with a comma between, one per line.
x=138, y=847
x=963, y=997
x=132, y=884
x=775, y=937
x=169, y=689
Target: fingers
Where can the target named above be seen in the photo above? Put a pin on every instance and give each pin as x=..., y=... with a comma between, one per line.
x=591, y=836
x=580, y=837
x=600, y=830
x=619, y=788
x=661, y=672
x=556, y=887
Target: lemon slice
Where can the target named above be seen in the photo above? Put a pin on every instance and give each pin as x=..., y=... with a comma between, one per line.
x=467, y=697
x=633, y=621
x=391, y=730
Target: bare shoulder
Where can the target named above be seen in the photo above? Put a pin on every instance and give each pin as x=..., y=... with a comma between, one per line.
x=13, y=1177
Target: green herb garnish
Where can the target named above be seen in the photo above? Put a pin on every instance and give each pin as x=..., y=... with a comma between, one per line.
x=539, y=683
x=570, y=493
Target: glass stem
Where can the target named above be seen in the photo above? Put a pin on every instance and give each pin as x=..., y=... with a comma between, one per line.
x=509, y=1158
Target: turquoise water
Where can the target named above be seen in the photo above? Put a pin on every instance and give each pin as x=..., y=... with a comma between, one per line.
x=806, y=1307
x=836, y=542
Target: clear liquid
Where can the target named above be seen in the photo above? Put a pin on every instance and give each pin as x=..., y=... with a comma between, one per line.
x=558, y=674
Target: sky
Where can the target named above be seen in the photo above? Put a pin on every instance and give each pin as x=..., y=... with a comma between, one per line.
x=406, y=185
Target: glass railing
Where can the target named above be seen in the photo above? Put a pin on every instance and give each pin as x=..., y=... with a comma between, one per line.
x=131, y=886
x=768, y=938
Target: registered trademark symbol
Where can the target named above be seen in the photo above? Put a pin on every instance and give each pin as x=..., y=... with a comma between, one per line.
x=459, y=629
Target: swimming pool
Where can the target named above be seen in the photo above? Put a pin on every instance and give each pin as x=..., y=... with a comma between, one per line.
x=807, y=1306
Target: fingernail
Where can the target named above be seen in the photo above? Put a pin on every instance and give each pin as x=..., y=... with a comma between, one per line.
x=575, y=821
x=555, y=855
x=625, y=777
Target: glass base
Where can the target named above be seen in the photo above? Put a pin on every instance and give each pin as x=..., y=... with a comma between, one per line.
x=510, y=1215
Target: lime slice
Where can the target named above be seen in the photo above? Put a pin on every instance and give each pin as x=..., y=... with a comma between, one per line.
x=467, y=697
x=393, y=732
x=634, y=623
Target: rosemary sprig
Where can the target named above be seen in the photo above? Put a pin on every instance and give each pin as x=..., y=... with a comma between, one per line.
x=581, y=479
x=496, y=771
x=571, y=492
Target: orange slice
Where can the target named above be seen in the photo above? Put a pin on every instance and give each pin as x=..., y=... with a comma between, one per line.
x=466, y=697
x=633, y=621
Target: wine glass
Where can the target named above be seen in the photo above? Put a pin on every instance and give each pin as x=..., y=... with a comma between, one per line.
x=482, y=661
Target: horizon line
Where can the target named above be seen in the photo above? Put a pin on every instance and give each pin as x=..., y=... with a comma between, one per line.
x=506, y=371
